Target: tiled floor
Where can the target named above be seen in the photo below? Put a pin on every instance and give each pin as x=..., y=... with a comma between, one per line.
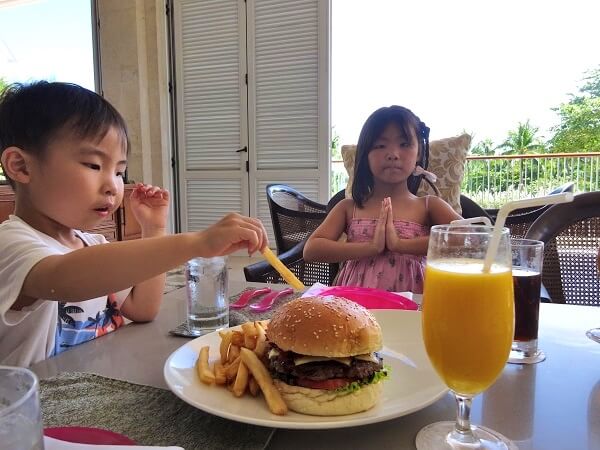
x=235, y=264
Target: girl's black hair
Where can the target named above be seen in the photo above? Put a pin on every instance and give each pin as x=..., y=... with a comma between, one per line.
x=32, y=115
x=406, y=121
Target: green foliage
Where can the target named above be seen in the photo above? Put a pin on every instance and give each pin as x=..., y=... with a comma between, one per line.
x=3, y=84
x=336, y=151
x=483, y=148
x=339, y=177
x=579, y=128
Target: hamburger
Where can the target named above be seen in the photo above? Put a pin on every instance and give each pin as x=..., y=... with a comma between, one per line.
x=323, y=356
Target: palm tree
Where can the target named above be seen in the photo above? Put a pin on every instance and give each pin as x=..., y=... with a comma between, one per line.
x=522, y=141
x=484, y=148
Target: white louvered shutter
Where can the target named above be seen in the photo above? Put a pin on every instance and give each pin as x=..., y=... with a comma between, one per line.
x=211, y=105
x=281, y=116
x=288, y=104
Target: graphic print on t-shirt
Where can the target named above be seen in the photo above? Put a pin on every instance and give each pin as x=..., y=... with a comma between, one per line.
x=75, y=324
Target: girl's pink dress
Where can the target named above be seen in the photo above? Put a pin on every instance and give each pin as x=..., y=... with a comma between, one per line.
x=388, y=271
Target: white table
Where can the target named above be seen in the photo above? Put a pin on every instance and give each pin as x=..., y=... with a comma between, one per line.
x=553, y=405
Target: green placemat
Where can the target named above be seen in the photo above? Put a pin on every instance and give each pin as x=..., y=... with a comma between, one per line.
x=148, y=415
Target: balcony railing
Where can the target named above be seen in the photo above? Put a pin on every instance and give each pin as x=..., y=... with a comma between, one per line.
x=492, y=181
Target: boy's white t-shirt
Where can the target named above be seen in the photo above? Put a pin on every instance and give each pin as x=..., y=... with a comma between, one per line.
x=47, y=327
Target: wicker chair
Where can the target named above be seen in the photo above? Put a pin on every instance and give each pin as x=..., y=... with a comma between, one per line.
x=520, y=220
x=294, y=217
x=571, y=232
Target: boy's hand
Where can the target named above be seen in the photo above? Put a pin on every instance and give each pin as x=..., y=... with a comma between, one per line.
x=234, y=232
x=150, y=206
x=391, y=236
x=379, y=235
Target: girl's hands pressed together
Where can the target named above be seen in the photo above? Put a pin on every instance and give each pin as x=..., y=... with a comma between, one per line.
x=150, y=206
x=234, y=232
x=392, y=240
x=379, y=237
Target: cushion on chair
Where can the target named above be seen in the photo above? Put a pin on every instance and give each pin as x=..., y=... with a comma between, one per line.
x=446, y=160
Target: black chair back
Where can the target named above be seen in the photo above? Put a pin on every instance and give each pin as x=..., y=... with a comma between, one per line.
x=294, y=217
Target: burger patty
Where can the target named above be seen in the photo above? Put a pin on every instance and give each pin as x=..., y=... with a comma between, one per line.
x=283, y=364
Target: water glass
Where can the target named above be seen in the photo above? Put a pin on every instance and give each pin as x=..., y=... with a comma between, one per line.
x=207, y=303
x=527, y=261
x=20, y=415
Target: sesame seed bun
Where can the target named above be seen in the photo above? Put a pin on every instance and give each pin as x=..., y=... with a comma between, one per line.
x=325, y=326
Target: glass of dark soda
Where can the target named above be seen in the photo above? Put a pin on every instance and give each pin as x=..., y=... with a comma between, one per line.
x=527, y=260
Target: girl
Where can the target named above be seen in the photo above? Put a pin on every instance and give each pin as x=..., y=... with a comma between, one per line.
x=64, y=151
x=386, y=223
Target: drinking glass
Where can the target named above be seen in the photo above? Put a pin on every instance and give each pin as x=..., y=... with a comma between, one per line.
x=207, y=302
x=468, y=327
x=527, y=262
x=20, y=415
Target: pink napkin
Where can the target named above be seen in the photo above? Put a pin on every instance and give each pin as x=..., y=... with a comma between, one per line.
x=56, y=444
x=368, y=297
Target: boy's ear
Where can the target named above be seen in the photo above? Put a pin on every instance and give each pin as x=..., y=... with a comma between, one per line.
x=14, y=163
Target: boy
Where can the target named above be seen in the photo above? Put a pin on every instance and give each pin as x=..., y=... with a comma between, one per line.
x=64, y=152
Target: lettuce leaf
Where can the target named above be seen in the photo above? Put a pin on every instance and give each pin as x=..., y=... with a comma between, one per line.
x=381, y=375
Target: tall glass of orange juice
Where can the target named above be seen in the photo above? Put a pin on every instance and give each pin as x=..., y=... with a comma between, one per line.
x=468, y=327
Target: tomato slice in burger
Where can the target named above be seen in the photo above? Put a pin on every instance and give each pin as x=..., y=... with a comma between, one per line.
x=331, y=384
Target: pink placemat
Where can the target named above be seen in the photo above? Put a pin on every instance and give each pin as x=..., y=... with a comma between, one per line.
x=368, y=297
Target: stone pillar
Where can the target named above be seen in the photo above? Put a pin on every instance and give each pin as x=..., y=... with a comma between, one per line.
x=133, y=64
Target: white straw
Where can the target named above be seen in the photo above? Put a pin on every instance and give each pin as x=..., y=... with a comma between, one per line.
x=503, y=213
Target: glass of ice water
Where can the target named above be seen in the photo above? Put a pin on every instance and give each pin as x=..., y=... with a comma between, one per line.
x=20, y=415
x=207, y=303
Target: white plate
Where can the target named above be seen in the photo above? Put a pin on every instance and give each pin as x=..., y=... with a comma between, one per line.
x=413, y=384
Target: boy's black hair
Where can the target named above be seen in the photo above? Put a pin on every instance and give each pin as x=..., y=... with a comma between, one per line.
x=406, y=121
x=33, y=114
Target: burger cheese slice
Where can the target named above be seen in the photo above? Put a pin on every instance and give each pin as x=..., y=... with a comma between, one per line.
x=323, y=356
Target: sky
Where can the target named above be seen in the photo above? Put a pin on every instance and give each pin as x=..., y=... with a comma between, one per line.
x=460, y=65
x=47, y=39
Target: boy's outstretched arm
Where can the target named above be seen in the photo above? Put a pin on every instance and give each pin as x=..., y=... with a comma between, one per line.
x=100, y=269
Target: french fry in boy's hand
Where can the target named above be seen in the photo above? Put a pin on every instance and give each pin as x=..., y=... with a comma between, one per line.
x=241, y=380
x=253, y=386
x=206, y=375
x=220, y=377
x=285, y=273
x=264, y=380
x=225, y=342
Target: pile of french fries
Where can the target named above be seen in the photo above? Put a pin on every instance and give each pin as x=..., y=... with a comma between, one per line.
x=239, y=367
